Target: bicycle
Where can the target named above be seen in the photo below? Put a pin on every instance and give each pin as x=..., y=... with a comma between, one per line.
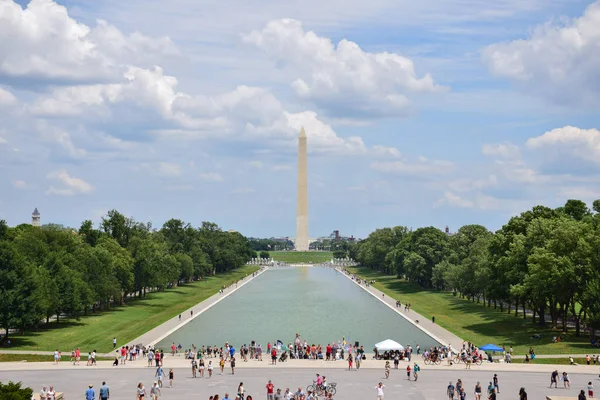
x=319, y=390
x=433, y=360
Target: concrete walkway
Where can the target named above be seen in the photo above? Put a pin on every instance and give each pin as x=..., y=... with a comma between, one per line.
x=178, y=361
x=435, y=331
x=39, y=353
x=157, y=334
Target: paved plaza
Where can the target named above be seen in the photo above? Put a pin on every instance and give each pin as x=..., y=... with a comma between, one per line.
x=352, y=385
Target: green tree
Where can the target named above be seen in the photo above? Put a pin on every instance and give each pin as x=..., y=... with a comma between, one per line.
x=15, y=391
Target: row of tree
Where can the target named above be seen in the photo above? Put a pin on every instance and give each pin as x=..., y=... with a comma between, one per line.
x=544, y=260
x=53, y=272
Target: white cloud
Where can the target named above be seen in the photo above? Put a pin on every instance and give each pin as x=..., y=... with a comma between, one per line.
x=453, y=200
x=469, y=184
x=580, y=192
x=211, y=177
x=7, y=98
x=42, y=41
x=557, y=61
x=422, y=167
x=70, y=185
x=343, y=77
x=62, y=138
x=583, y=144
x=2, y=140
x=504, y=150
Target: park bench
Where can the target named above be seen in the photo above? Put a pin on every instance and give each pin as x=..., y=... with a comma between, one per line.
x=58, y=396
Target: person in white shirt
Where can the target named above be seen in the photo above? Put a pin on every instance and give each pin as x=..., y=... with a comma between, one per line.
x=44, y=393
x=380, y=388
x=51, y=393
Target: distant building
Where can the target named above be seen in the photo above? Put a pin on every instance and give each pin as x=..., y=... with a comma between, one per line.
x=447, y=231
x=35, y=217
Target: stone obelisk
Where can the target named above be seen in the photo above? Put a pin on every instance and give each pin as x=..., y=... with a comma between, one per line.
x=301, y=242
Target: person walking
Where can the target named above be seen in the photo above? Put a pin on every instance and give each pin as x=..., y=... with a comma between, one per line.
x=114, y=343
x=477, y=391
x=155, y=391
x=408, y=372
x=270, y=390
x=450, y=390
x=522, y=394
x=350, y=362
x=171, y=376
x=496, y=385
x=241, y=391
x=90, y=393
x=232, y=363
x=210, y=369
x=416, y=370
x=380, y=386
x=387, y=369
x=104, y=392
x=159, y=374
x=140, y=392
x=554, y=379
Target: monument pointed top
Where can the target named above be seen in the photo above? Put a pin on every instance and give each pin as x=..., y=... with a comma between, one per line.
x=302, y=133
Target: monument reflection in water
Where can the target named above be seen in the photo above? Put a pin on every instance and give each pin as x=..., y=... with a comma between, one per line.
x=318, y=303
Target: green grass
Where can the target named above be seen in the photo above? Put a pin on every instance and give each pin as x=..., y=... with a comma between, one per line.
x=475, y=322
x=42, y=358
x=302, y=257
x=126, y=323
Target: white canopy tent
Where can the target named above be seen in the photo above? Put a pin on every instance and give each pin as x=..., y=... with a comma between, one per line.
x=388, y=345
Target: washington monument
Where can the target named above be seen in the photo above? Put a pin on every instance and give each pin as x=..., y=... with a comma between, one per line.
x=301, y=242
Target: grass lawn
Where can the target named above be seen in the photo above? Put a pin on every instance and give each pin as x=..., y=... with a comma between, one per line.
x=126, y=323
x=474, y=321
x=302, y=257
x=41, y=358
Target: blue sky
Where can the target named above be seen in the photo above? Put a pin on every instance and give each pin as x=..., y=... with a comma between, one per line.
x=445, y=112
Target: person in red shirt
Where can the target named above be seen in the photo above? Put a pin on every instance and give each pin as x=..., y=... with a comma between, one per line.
x=123, y=354
x=270, y=391
x=77, y=355
x=273, y=356
x=328, y=353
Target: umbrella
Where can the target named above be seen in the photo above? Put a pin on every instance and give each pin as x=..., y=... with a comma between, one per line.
x=388, y=345
x=490, y=347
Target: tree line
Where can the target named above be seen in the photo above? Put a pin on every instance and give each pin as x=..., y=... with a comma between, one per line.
x=51, y=271
x=544, y=260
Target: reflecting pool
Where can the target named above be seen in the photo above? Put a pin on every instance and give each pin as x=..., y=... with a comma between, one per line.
x=319, y=303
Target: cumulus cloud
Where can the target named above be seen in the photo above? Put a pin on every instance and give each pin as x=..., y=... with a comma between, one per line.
x=343, y=77
x=558, y=61
x=43, y=42
x=583, y=144
x=70, y=185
